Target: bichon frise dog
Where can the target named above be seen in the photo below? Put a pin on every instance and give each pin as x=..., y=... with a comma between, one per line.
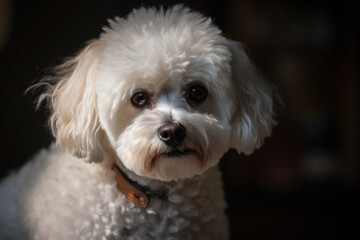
x=141, y=118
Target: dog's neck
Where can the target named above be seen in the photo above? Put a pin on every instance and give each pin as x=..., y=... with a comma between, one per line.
x=142, y=186
x=138, y=189
x=135, y=192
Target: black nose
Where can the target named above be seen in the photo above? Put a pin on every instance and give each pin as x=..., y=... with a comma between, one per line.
x=172, y=134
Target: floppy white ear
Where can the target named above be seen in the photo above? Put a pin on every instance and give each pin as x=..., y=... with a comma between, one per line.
x=72, y=100
x=253, y=117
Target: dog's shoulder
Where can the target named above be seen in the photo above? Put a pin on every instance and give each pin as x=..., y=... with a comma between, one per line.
x=52, y=193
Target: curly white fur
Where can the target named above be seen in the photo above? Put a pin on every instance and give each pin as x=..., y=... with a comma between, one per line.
x=160, y=52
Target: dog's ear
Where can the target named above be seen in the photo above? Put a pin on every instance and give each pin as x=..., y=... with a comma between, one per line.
x=71, y=98
x=254, y=114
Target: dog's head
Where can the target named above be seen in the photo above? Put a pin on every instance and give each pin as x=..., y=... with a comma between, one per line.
x=165, y=90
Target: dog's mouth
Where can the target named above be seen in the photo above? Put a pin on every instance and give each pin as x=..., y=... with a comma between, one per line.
x=177, y=153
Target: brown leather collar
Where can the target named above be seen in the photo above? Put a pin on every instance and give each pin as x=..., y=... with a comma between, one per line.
x=140, y=195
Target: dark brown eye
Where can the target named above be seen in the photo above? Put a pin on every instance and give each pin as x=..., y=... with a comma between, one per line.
x=197, y=94
x=140, y=99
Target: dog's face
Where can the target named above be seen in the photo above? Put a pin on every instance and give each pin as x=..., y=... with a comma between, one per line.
x=163, y=97
x=168, y=93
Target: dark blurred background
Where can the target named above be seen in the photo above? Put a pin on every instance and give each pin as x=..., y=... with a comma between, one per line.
x=303, y=183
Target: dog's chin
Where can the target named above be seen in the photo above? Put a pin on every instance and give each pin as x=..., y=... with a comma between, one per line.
x=177, y=165
x=170, y=165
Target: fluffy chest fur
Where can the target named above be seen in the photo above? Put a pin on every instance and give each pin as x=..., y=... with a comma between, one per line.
x=83, y=202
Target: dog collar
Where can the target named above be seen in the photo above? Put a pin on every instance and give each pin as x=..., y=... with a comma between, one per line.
x=140, y=195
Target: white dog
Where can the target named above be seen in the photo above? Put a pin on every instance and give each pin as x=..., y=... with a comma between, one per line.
x=153, y=104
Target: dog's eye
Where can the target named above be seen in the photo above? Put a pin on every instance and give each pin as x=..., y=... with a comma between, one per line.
x=140, y=99
x=197, y=94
